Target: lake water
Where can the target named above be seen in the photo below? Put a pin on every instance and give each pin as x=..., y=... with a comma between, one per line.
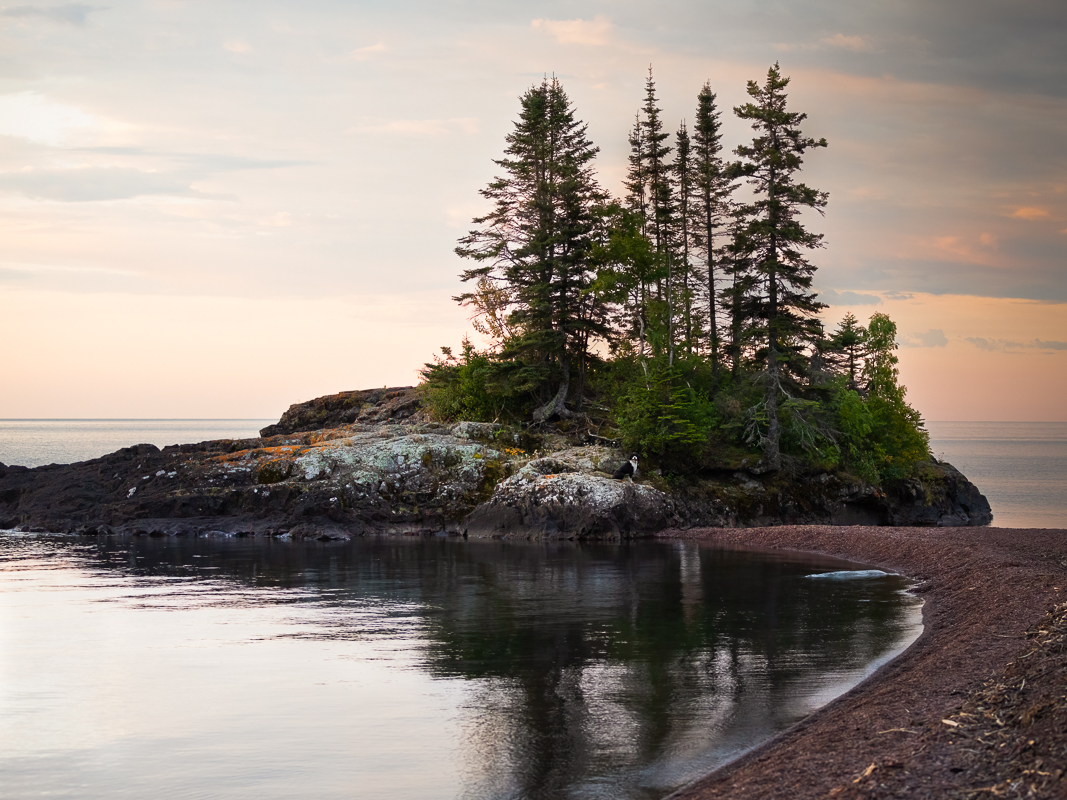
x=1021, y=467
x=34, y=442
x=415, y=668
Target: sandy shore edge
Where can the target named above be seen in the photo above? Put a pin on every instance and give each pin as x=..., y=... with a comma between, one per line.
x=983, y=587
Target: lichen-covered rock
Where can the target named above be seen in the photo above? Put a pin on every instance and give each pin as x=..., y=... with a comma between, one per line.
x=570, y=505
x=477, y=431
x=330, y=483
x=387, y=470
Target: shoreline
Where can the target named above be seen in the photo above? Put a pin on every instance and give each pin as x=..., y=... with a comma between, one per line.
x=983, y=589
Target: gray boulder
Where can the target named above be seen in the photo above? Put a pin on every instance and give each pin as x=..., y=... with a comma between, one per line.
x=570, y=505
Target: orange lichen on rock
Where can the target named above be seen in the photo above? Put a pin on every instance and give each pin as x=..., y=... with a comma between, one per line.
x=254, y=454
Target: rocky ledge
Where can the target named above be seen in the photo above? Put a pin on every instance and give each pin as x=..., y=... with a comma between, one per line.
x=371, y=462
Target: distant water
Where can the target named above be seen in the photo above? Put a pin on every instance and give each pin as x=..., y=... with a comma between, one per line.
x=33, y=442
x=1021, y=467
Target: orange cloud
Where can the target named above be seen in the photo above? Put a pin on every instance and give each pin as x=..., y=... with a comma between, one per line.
x=576, y=31
x=1030, y=212
x=954, y=245
x=857, y=44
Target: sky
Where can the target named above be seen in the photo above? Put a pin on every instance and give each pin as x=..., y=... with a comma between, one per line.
x=217, y=209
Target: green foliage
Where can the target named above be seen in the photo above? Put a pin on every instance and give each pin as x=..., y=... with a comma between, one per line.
x=878, y=439
x=536, y=240
x=472, y=387
x=666, y=417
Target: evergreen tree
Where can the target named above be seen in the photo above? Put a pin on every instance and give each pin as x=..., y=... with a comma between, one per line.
x=713, y=214
x=657, y=171
x=536, y=242
x=781, y=308
x=624, y=229
x=636, y=182
x=683, y=182
x=846, y=350
x=649, y=185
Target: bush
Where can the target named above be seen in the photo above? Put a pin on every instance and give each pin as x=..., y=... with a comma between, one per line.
x=665, y=417
x=472, y=387
x=880, y=438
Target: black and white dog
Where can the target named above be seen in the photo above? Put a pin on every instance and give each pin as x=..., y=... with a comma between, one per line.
x=627, y=470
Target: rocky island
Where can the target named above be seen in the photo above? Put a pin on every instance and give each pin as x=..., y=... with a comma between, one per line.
x=373, y=461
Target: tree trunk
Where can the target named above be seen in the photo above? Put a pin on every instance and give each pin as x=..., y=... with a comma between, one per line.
x=670, y=310
x=713, y=327
x=555, y=407
x=772, y=457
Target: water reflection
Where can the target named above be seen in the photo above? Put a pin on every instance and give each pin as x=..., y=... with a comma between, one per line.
x=586, y=671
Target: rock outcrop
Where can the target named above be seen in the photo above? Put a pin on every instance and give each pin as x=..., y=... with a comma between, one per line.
x=565, y=495
x=380, y=466
x=367, y=406
x=329, y=483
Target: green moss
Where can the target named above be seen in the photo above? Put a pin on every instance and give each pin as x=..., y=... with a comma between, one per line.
x=274, y=471
x=494, y=472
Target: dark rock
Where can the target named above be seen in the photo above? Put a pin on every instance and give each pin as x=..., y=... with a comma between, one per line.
x=346, y=408
x=392, y=471
x=938, y=495
x=571, y=505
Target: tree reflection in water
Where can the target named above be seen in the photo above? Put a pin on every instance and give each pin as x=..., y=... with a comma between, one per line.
x=595, y=670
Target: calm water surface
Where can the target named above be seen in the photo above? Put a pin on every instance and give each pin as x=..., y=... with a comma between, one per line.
x=414, y=668
x=1021, y=467
x=34, y=442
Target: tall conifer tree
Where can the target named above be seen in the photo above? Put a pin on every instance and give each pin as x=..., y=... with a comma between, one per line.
x=650, y=192
x=683, y=183
x=637, y=201
x=846, y=350
x=781, y=308
x=657, y=170
x=536, y=241
x=713, y=213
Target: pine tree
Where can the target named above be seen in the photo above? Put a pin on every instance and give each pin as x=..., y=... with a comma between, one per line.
x=657, y=171
x=637, y=203
x=649, y=184
x=683, y=184
x=713, y=213
x=781, y=306
x=636, y=175
x=898, y=434
x=536, y=242
x=649, y=187
x=846, y=350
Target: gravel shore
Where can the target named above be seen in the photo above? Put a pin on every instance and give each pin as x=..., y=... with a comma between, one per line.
x=977, y=707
